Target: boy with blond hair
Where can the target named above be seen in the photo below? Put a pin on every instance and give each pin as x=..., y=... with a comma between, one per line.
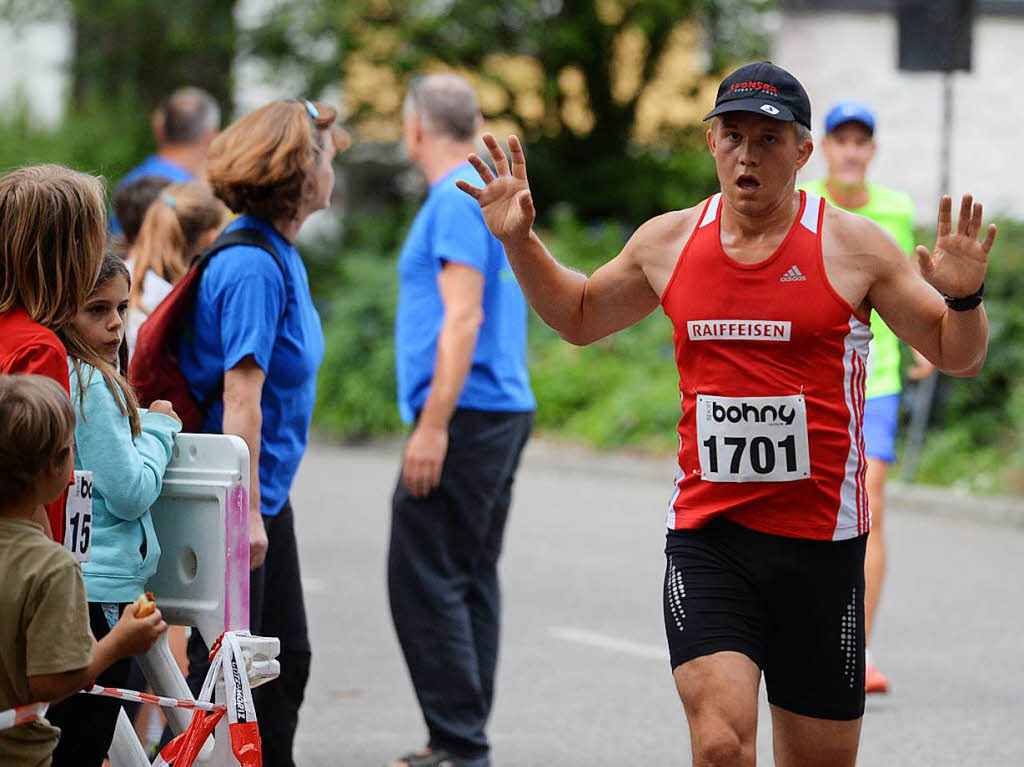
x=47, y=651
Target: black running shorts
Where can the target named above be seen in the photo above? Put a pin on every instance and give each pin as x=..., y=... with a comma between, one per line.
x=795, y=607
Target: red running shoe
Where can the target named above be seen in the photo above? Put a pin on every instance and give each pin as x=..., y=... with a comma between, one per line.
x=875, y=682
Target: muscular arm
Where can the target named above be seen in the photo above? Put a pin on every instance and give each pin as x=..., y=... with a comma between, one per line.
x=955, y=342
x=584, y=309
x=581, y=309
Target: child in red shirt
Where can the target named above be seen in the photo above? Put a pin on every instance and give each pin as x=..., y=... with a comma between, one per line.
x=52, y=233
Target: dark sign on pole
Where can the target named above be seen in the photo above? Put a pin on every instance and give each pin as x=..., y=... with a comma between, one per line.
x=935, y=35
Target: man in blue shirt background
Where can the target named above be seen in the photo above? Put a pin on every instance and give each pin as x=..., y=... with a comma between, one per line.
x=184, y=127
x=460, y=342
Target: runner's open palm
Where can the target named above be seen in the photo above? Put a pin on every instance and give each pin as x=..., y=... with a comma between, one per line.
x=505, y=199
x=957, y=264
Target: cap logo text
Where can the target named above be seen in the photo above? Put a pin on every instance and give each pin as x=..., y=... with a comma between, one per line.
x=755, y=85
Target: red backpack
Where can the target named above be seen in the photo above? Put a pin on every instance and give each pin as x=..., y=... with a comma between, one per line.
x=154, y=370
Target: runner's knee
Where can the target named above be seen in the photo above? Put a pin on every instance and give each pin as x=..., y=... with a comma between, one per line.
x=719, y=743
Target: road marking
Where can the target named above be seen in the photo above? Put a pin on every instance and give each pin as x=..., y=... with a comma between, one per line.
x=605, y=642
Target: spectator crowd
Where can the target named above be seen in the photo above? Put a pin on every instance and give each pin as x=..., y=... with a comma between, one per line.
x=187, y=307
x=243, y=336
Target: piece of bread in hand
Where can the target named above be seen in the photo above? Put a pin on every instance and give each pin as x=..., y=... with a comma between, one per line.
x=145, y=605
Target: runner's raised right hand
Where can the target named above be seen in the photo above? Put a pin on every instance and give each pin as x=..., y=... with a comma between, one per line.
x=505, y=200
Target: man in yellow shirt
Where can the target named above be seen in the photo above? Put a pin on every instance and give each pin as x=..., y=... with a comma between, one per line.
x=849, y=147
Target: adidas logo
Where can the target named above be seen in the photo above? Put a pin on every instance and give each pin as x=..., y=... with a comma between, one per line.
x=793, y=275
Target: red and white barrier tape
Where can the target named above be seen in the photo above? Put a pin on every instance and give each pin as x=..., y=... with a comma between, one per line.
x=34, y=712
x=15, y=717
x=159, y=700
x=228, y=663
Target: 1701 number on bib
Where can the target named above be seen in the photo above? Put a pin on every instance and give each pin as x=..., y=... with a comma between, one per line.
x=752, y=439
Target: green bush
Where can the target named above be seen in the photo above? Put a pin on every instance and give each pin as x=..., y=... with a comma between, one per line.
x=105, y=139
x=977, y=424
x=355, y=285
x=356, y=391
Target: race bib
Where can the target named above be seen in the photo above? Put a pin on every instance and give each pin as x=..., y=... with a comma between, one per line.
x=78, y=516
x=752, y=439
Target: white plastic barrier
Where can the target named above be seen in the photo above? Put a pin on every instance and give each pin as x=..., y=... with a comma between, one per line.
x=125, y=750
x=202, y=523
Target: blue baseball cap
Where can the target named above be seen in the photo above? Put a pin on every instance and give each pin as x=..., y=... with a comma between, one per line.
x=850, y=110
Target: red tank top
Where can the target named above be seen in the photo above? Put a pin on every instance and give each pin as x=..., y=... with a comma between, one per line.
x=772, y=363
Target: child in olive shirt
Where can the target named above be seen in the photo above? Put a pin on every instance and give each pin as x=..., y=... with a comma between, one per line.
x=46, y=648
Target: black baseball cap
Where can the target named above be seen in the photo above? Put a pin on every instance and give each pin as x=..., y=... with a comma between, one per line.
x=763, y=89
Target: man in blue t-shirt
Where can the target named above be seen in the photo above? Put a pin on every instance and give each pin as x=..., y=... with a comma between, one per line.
x=460, y=348
x=183, y=126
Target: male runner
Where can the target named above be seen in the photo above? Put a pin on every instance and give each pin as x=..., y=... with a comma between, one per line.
x=849, y=147
x=769, y=291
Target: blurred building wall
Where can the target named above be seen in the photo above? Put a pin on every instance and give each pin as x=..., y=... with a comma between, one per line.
x=839, y=54
x=33, y=59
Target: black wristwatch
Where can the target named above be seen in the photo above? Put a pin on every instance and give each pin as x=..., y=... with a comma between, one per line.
x=966, y=303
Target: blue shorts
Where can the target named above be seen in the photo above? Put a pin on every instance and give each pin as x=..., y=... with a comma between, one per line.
x=880, y=417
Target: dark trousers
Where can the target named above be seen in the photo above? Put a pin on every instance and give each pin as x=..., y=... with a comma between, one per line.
x=276, y=609
x=443, y=576
x=87, y=722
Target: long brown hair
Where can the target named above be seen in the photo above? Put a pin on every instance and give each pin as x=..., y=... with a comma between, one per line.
x=171, y=232
x=52, y=230
x=80, y=352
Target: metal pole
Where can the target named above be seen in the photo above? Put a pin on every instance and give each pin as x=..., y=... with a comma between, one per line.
x=925, y=390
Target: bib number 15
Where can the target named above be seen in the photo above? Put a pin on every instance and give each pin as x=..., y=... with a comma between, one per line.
x=78, y=517
x=752, y=439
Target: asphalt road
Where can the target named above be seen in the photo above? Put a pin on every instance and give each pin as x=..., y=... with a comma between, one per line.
x=584, y=677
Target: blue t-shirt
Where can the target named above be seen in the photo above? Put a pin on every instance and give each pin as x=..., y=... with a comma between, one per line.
x=240, y=311
x=450, y=227
x=154, y=165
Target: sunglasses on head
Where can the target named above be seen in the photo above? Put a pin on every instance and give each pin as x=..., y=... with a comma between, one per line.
x=311, y=109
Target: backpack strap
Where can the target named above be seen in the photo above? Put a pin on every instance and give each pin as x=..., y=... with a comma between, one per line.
x=251, y=237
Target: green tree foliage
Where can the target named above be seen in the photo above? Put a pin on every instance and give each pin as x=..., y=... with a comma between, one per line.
x=608, y=94
x=149, y=49
x=105, y=139
x=977, y=434
x=127, y=56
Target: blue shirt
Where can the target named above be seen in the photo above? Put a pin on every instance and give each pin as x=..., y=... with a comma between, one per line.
x=450, y=227
x=154, y=165
x=244, y=307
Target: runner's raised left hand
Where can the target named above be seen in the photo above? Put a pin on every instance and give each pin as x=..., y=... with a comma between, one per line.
x=957, y=264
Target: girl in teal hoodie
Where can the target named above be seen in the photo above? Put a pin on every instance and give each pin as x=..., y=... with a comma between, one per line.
x=127, y=451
